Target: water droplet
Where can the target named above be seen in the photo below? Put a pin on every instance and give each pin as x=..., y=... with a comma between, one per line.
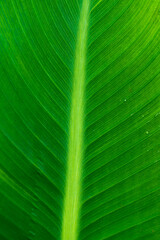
x=125, y=100
x=147, y=132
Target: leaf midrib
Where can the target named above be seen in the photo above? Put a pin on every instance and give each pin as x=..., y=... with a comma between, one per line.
x=72, y=197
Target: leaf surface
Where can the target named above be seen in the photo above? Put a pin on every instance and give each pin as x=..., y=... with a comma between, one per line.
x=80, y=120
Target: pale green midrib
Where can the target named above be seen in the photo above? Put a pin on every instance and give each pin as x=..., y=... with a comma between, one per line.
x=72, y=196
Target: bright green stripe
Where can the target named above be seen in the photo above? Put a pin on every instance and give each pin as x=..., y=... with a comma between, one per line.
x=73, y=181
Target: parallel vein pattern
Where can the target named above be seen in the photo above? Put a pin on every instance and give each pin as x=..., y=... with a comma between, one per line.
x=79, y=120
x=122, y=128
x=37, y=45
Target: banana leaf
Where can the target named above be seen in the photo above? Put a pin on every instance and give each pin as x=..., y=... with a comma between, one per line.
x=79, y=120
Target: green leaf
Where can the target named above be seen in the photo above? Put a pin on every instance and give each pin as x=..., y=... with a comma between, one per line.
x=80, y=120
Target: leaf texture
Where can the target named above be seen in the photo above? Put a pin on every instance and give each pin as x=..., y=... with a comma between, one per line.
x=80, y=120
